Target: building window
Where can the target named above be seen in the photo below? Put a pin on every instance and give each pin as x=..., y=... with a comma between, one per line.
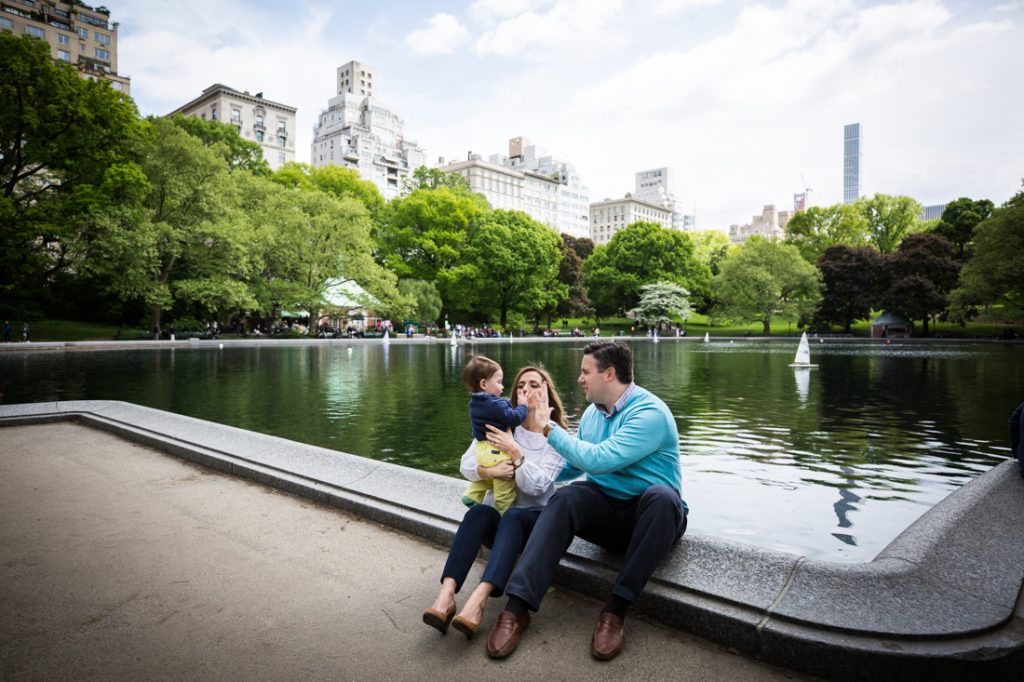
x=6, y=23
x=281, y=127
x=35, y=31
x=117, y=86
x=213, y=114
x=82, y=32
x=64, y=55
x=102, y=54
x=259, y=136
x=63, y=39
x=281, y=140
x=101, y=39
x=236, y=115
x=259, y=119
x=280, y=157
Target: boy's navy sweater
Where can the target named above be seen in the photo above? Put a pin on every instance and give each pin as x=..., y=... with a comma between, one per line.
x=485, y=409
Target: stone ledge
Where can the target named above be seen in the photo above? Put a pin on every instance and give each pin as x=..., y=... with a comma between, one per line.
x=941, y=600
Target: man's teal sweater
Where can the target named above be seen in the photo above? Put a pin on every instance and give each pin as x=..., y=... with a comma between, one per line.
x=626, y=453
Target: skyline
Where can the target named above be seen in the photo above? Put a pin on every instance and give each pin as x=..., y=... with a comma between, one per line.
x=743, y=101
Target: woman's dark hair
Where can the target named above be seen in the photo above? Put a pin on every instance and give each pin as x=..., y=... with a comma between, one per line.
x=478, y=369
x=612, y=354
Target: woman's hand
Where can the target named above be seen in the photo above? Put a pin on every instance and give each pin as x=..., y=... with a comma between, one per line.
x=504, y=471
x=503, y=440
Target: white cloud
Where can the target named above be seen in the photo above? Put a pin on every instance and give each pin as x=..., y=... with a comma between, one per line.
x=443, y=34
x=667, y=7
x=578, y=27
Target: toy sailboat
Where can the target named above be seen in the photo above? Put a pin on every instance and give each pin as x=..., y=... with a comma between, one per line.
x=803, y=354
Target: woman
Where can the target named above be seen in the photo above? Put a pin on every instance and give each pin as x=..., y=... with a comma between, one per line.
x=535, y=467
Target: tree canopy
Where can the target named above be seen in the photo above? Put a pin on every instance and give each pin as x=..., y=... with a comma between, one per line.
x=995, y=273
x=853, y=281
x=889, y=219
x=922, y=272
x=766, y=278
x=959, y=219
x=642, y=253
x=662, y=302
x=813, y=230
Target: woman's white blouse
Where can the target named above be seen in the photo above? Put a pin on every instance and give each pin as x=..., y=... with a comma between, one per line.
x=535, y=478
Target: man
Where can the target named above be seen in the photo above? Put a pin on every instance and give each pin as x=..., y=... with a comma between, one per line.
x=630, y=502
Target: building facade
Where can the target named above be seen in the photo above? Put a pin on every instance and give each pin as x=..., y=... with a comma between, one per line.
x=611, y=215
x=655, y=186
x=573, y=197
x=358, y=130
x=269, y=124
x=510, y=189
x=770, y=224
x=852, y=157
x=932, y=212
x=78, y=35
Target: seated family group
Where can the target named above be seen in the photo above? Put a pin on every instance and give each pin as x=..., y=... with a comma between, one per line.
x=627, y=445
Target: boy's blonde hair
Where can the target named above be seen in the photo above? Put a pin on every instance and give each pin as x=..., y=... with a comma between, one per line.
x=478, y=369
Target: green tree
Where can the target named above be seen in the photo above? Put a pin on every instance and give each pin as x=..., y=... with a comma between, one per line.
x=711, y=247
x=766, y=278
x=995, y=273
x=890, y=219
x=425, y=300
x=516, y=259
x=173, y=236
x=922, y=272
x=960, y=218
x=426, y=234
x=334, y=180
x=432, y=178
x=224, y=139
x=661, y=303
x=59, y=135
x=642, y=253
x=570, y=274
x=814, y=230
x=853, y=281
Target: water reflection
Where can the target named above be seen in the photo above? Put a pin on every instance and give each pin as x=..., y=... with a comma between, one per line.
x=831, y=465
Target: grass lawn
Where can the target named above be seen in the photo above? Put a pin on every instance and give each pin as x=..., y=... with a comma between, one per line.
x=69, y=330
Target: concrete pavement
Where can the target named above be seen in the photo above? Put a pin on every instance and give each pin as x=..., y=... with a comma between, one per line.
x=120, y=562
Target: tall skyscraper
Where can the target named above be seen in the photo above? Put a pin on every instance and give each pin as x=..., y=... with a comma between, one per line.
x=79, y=35
x=851, y=162
x=655, y=186
x=359, y=130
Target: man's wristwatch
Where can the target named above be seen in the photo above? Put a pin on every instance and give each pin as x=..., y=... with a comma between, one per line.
x=547, y=428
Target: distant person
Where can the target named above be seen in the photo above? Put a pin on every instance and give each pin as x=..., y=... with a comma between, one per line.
x=24, y=332
x=482, y=378
x=7, y=331
x=628, y=445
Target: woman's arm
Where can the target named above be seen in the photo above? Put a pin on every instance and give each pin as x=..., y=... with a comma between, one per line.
x=539, y=470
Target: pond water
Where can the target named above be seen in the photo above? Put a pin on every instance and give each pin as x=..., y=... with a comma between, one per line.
x=831, y=462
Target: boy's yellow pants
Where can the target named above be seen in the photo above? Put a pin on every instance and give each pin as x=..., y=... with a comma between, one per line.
x=504, y=491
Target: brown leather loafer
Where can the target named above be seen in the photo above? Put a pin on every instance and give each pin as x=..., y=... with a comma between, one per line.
x=609, y=637
x=505, y=634
x=438, y=620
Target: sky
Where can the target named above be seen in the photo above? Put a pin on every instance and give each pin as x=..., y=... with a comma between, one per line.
x=745, y=102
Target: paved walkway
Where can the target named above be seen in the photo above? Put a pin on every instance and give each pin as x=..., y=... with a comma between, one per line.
x=118, y=562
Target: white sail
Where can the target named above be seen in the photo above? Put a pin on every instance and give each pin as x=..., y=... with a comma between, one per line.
x=707, y=339
x=803, y=353
x=455, y=341
x=655, y=338
x=386, y=339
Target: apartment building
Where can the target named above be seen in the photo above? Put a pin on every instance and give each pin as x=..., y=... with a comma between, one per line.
x=359, y=130
x=573, y=197
x=611, y=215
x=770, y=224
x=511, y=189
x=79, y=35
x=270, y=124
